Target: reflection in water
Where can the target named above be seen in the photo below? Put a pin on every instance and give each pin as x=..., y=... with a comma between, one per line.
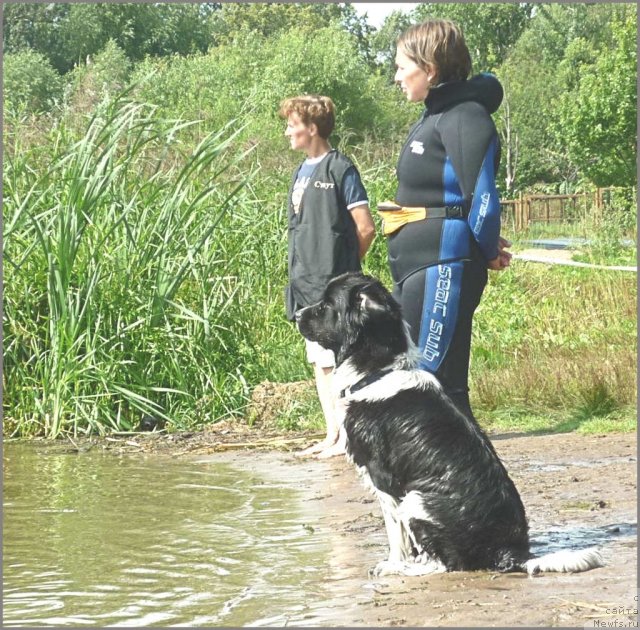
x=94, y=539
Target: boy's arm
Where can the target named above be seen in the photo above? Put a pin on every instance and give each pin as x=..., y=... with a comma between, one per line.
x=365, y=227
x=355, y=198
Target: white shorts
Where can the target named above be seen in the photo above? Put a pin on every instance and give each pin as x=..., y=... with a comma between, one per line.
x=320, y=356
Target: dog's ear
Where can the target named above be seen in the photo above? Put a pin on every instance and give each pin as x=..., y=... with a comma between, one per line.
x=371, y=297
x=368, y=303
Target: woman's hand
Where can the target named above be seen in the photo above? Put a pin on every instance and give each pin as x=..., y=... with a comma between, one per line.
x=503, y=259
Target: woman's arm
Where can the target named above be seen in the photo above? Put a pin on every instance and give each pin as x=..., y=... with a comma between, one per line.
x=472, y=146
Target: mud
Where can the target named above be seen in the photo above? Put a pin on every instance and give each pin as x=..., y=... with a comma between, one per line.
x=579, y=491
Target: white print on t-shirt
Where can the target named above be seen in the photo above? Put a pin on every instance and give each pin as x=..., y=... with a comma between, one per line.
x=324, y=185
x=298, y=189
x=417, y=147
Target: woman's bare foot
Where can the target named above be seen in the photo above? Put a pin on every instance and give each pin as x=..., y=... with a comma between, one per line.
x=317, y=448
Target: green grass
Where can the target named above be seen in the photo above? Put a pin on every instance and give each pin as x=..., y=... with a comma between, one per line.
x=144, y=266
x=551, y=335
x=525, y=420
x=305, y=414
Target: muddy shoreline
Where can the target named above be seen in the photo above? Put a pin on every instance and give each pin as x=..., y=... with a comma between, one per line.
x=578, y=491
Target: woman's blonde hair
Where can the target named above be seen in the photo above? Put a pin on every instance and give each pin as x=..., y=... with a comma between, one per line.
x=311, y=109
x=441, y=44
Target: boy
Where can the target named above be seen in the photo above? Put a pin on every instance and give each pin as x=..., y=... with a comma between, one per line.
x=330, y=230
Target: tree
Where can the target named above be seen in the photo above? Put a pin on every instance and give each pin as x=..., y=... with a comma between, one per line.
x=597, y=119
x=66, y=33
x=490, y=29
x=383, y=42
x=571, y=97
x=30, y=26
x=272, y=18
x=531, y=85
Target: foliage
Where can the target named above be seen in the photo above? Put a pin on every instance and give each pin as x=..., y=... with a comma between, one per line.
x=598, y=117
x=490, y=29
x=570, y=95
x=144, y=257
x=31, y=26
x=531, y=85
x=274, y=19
x=568, y=114
x=303, y=60
x=67, y=32
x=99, y=80
x=383, y=42
x=116, y=290
x=30, y=82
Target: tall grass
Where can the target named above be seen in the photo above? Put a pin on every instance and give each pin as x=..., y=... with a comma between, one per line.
x=144, y=264
x=103, y=247
x=556, y=338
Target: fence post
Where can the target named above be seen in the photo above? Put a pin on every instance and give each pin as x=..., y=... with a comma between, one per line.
x=599, y=203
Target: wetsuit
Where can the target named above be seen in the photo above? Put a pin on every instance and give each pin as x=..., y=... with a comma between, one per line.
x=439, y=265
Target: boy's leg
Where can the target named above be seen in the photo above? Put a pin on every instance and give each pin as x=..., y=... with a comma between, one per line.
x=323, y=363
x=323, y=386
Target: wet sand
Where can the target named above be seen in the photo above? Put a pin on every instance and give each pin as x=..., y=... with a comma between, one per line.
x=578, y=491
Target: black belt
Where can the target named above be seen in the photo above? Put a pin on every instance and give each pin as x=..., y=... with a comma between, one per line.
x=447, y=212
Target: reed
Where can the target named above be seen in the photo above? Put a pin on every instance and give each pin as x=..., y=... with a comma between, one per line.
x=97, y=248
x=144, y=264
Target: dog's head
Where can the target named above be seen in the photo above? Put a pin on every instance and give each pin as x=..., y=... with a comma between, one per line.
x=358, y=319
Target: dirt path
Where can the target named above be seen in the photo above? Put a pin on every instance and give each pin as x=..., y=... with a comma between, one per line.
x=578, y=490
x=563, y=257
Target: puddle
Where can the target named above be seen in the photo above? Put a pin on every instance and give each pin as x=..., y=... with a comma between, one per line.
x=598, y=463
x=557, y=539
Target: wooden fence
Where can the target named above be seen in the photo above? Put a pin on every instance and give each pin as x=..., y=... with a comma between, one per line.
x=522, y=212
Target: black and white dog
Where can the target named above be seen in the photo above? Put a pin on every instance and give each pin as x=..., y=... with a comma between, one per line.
x=447, y=500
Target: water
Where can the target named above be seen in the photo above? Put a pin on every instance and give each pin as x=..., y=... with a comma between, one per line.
x=96, y=539
x=572, y=538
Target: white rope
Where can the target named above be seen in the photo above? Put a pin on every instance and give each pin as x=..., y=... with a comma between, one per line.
x=571, y=263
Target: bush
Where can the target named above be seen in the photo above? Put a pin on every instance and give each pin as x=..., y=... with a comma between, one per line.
x=98, y=80
x=227, y=81
x=30, y=82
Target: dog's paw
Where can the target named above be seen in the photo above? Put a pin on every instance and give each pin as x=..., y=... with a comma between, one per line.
x=387, y=567
x=422, y=558
x=426, y=566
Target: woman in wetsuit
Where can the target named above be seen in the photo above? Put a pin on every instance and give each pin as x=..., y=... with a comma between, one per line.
x=448, y=232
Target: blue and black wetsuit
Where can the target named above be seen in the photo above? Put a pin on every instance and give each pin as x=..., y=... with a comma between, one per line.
x=439, y=265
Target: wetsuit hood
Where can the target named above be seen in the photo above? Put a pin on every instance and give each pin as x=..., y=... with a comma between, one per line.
x=482, y=88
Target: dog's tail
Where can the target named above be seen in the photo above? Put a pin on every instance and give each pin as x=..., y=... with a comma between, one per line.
x=565, y=562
